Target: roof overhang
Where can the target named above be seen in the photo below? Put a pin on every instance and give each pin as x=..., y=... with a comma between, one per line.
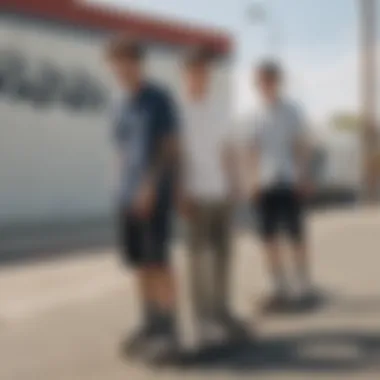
x=111, y=20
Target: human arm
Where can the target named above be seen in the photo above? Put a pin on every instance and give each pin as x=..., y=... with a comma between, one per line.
x=252, y=157
x=303, y=154
x=165, y=158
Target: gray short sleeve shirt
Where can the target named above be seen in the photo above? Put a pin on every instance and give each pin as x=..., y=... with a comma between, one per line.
x=275, y=133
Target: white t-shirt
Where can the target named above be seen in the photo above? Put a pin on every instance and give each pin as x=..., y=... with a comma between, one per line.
x=206, y=129
x=275, y=131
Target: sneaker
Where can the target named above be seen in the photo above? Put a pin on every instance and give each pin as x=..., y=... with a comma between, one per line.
x=279, y=302
x=163, y=348
x=135, y=343
x=309, y=299
x=212, y=332
x=235, y=328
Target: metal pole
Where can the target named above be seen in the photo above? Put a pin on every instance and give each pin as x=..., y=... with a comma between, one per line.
x=368, y=68
x=259, y=12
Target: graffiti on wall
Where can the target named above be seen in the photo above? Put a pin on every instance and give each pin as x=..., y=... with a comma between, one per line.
x=44, y=84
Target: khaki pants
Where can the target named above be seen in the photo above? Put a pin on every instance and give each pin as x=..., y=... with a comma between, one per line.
x=209, y=242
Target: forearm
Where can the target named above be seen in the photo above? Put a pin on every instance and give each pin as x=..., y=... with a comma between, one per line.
x=252, y=168
x=231, y=167
x=166, y=161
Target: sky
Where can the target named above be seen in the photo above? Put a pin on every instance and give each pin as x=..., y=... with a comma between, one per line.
x=317, y=41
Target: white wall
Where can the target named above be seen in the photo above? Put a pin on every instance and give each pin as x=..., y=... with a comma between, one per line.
x=56, y=164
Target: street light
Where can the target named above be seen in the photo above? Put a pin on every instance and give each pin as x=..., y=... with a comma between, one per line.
x=257, y=13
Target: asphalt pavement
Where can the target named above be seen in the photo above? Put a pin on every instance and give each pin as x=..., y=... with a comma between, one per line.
x=64, y=319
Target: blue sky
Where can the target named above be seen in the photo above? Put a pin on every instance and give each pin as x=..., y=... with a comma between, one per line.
x=325, y=25
x=316, y=39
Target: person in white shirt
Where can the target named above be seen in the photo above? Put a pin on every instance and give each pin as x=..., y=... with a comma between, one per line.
x=207, y=190
x=280, y=156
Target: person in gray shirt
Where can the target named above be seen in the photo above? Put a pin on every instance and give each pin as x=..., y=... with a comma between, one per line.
x=280, y=152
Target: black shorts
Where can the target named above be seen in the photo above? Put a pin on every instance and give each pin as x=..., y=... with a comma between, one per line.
x=145, y=242
x=280, y=210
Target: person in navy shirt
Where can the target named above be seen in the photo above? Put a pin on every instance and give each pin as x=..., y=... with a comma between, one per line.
x=145, y=136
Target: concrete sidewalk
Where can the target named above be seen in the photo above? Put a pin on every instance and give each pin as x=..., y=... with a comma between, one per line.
x=64, y=319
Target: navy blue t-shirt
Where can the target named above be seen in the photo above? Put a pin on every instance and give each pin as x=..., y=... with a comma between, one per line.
x=142, y=123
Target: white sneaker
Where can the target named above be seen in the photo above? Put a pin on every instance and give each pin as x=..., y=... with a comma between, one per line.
x=212, y=332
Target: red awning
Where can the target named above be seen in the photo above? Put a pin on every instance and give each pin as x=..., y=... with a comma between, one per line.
x=118, y=20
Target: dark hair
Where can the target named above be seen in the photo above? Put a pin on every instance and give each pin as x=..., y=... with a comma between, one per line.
x=270, y=70
x=198, y=56
x=125, y=47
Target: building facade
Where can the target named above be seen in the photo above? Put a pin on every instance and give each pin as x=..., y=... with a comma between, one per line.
x=56, y=95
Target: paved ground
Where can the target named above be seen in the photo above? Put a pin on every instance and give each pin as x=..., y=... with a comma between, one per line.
x=63, y=320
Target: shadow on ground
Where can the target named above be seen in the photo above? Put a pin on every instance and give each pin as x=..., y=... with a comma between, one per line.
x=330, y=304
x=318, y=352
x=325, y=351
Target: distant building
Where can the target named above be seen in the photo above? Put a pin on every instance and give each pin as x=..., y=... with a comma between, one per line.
x=337, y=164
